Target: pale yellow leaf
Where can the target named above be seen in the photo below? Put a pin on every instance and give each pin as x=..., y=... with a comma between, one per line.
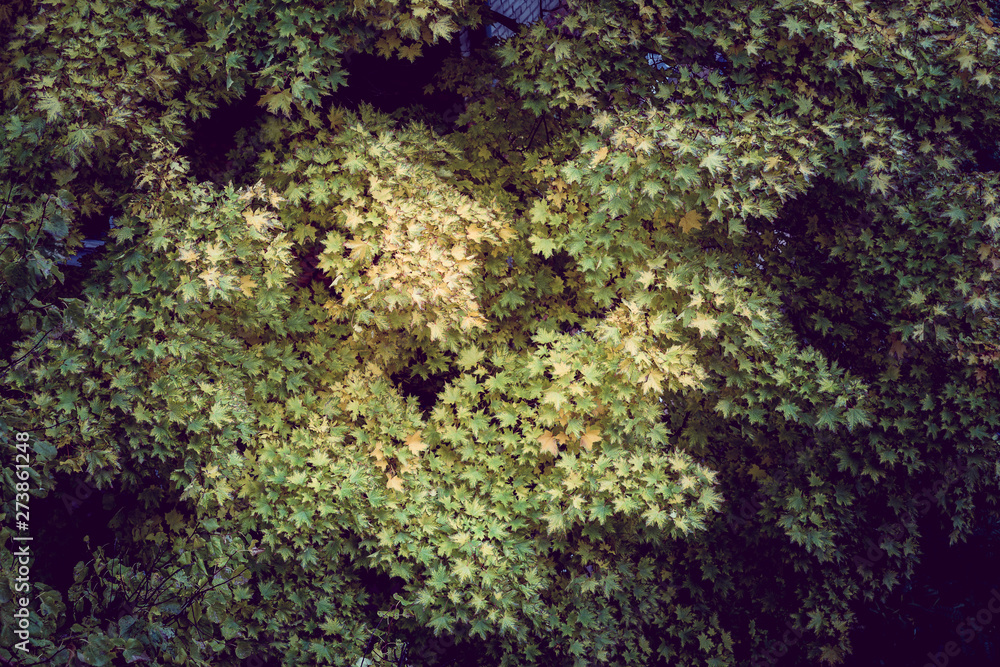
x=599, y=156
x=395, y=483
x=690, y=221
x=247, y=285
x=415, y=443
x=653, y=381
x=588, y=439
x=259, y=220
x=704, y=323
x=549, y=443
x=560, y=369
x=214, y=252
x=211, y=277
x=359, y=249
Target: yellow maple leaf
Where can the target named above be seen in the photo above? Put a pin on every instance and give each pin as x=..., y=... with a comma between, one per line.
x=214, y=252
x=275, y=198
x=474, y=233
x=653, y=382
x=379, y=456
x=188, y=255
x=986, y=25
x=704, y=323
x=690, y=221
x=588, y=439
x=415, y=443
x=395, y=483
x=599, y=156
x=246, y=285
x=211, y=277
x=411, y=52
x=549, y=443
x=352, y=217
x=560, y=369
x=470, y=321
x=259, y=220
x=359, y=249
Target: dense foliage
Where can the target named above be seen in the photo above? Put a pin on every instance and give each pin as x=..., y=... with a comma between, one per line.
x=505, y=377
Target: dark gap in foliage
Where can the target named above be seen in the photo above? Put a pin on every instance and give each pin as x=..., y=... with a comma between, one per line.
x=397, y=87
x=73, y=510
x=212, y=138
x=424, y=389
x=950, y=586
x=380, y=587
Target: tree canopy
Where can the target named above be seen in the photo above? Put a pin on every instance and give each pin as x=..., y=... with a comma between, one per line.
x=502, y=373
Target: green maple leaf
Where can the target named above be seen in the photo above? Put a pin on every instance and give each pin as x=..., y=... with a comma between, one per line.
x=175, y=520
x=966, y=60
x=296, y=407
x=278, y=100
x=543, y=246
x=67, y=400
x=469, y=357
x=555, y=397
x=714, y=161
x=218, y=414
x=794, y=26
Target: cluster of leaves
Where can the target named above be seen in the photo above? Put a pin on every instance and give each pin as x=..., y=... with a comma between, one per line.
x=636, y=289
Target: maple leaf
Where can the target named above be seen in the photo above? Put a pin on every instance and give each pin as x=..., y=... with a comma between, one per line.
x=599, y=156
x=358, y=248
x=559, y=369
x=187, y=255
x=379, y=457
x=246, y=285
x=713, y=161
x=704, y=323
x=395, y=483
x=211, y=277
x=690, y=221
x=415, y=443
x=411, y=52
x=259, y=220
x=549, y=443
x=555, y=397
x=214, y=252
x=474, y=233
x=966, y=60
x=653, y=381
x=277, y=100
x=898, y=348
x=588, y=439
